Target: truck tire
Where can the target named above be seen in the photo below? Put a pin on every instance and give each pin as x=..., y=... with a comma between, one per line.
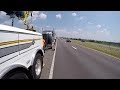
x=37, y=67
x=17, y=75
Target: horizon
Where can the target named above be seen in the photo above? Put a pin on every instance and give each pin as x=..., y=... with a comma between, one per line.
x=94, y=25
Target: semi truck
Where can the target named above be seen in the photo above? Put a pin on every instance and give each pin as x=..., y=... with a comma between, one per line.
x=21, y=53
x=49, y=37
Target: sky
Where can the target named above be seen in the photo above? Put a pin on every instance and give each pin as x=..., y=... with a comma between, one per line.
x=96, y=25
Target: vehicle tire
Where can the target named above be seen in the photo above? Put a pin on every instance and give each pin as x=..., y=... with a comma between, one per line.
x=17, y=75
x=37, y=66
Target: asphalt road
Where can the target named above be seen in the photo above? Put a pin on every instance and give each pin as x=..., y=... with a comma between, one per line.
x=75, y=62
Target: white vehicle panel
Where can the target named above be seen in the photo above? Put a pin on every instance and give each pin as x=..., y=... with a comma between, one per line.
x=16, y=47
x=15, y=29
x=8, y=50
x=28, y=45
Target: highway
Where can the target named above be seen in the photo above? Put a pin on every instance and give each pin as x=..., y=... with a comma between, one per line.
x=75, y=62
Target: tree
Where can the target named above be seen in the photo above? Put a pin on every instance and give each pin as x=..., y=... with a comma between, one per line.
x=23, y=15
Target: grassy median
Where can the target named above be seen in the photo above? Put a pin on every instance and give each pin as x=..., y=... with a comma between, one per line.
x=112, y=51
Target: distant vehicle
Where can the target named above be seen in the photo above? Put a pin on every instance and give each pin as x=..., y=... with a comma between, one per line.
x=68, y=40
x=49, y=38
x=21, y=53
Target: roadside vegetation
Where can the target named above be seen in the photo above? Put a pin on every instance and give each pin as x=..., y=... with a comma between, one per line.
x=103, y=48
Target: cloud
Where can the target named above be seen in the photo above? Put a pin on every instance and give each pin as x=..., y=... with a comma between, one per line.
x=90, y=23
x=43, y=16
x=82, y=17
x=101, y=29
x=3, y=16
x=80, y=29
x=107, y=32
x=48, y=26
x=100, y=34
x=67, y=33
x=20, y=21
x=58, y=16
x=8, y=22
x=35, y=15
x=98, y=26
x=2, y=13
x=103, y=35
x=74, y=14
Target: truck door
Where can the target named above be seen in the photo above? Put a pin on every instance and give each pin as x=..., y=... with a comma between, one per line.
x=28, y=42
x=8, y=45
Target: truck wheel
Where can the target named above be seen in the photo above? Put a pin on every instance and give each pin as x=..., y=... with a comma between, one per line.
x=37, y=67
x=17, y=75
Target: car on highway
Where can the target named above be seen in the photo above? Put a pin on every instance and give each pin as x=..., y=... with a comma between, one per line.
x=68, y=40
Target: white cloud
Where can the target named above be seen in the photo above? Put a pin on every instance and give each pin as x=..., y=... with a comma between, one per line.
x=20, y=21
x=101, y=34
x=67, y=33
x=3, y=16
x=47, y=26
x=98, y=26
x=43, y=16
x=58, y=16
x=35, y=15
x=8, y=22
x=80, y=29
x=2, y=13
x=74, y=14
x=107, y=32
x=35, y=12
x=90, y=23
x=82, y=17
x=104, y=29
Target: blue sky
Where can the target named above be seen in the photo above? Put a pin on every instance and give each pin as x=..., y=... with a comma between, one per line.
x=97, y=25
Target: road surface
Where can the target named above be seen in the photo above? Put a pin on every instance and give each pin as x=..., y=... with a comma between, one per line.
x=75, y=62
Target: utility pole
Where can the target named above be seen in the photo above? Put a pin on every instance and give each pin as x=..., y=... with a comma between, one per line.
x=12, y=16
x=12, y=21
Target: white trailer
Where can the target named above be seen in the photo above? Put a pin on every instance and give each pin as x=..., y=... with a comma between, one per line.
x=21, y=53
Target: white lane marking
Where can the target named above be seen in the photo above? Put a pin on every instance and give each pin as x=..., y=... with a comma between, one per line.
x=74, y=47
x=52, y=66
x=101, y=52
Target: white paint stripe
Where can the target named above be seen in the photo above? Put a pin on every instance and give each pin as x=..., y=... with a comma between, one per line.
x=100, y=52
x=74, y=47
x=53, y=61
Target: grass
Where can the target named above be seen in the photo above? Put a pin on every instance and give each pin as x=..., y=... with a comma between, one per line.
x=111, y=51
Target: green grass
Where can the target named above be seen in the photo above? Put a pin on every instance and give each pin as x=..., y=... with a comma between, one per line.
x=111, y=51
